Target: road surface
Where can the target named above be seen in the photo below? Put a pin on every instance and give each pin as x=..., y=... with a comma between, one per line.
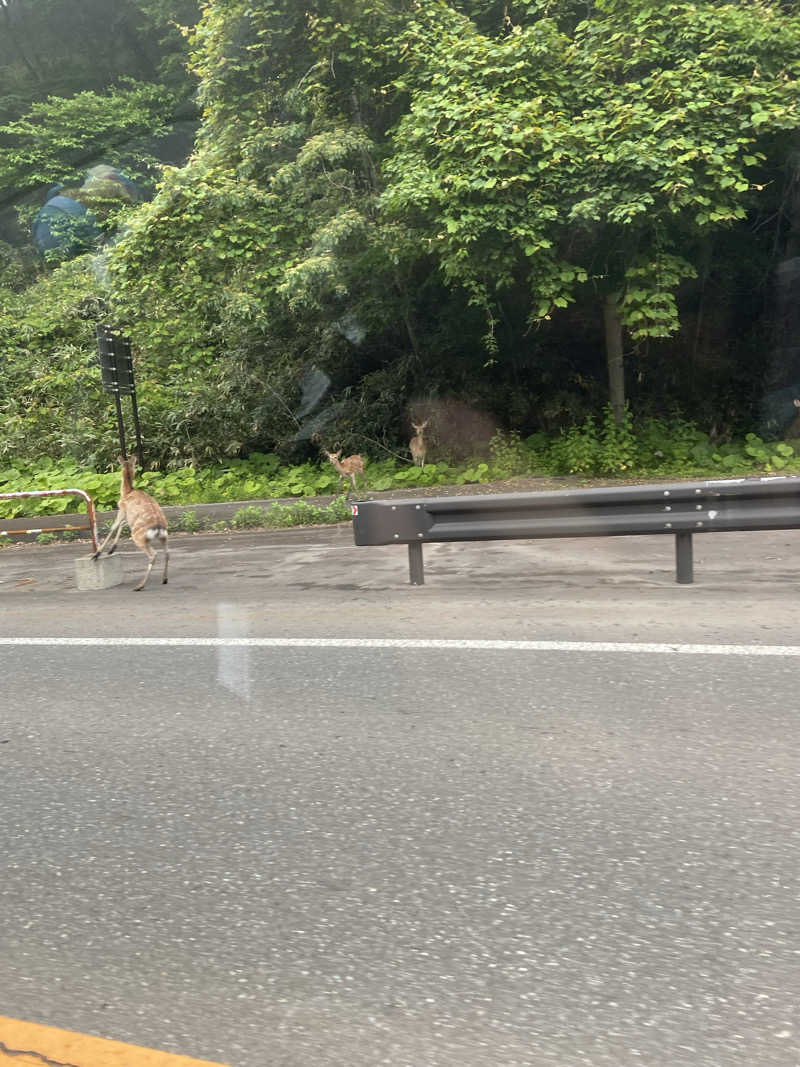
x=303, y=583
x=417, y=857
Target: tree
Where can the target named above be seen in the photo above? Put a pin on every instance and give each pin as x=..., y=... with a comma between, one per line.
x=63, y=47
x=267, y=250
x=594, y=155
x=59, y=137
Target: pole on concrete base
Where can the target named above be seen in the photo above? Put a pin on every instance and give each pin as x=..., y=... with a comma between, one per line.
x=684, y=572
x=416, y=568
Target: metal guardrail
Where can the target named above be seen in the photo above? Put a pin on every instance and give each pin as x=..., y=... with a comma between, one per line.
x=91, y=516
x=681, y=509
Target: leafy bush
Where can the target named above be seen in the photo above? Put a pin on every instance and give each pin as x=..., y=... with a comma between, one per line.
x=300, y=514
x=774, y=455
x=577, y=450
x=509, y=454
x=586, y=450
x=618, y=444
x=304, y=514
x=189, y=522
x=246, y=518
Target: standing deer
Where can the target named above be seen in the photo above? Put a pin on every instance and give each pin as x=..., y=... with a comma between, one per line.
x=147, y=522
x=348, y=467
x=418, y=446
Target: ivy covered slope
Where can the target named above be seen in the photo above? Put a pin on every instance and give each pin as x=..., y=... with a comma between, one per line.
x=268, y=251
x=532, y=208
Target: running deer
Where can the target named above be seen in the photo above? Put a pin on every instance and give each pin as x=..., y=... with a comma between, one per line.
x=418, y=446
x=147, y=522
x=348, y=467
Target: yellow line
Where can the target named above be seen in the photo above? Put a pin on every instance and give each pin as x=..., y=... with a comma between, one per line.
x=31, y=1045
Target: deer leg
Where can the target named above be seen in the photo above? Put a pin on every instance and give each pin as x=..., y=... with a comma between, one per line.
x=115, y=529
x=116, y=538
x=166, y=563
x=151, y=555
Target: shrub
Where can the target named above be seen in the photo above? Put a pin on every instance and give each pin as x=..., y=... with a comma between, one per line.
x=509, y=454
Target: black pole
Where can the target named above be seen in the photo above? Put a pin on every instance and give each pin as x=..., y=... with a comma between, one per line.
x=139, y=451
x=684, y=572
x=121, y=426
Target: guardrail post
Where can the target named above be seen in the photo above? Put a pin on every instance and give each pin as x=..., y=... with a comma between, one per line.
x=684, y=571
x=416, y=567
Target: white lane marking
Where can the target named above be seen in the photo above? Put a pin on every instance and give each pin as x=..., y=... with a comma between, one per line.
x=412, y=643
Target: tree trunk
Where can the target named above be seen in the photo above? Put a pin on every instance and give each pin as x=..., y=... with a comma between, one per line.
x=612, y=320
x=13, y=36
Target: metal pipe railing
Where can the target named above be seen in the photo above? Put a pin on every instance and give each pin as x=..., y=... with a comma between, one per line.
x=91, y=524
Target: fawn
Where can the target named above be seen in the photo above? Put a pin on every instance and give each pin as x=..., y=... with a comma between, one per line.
x=418, y=446
x=147, y=522
x=348, y=467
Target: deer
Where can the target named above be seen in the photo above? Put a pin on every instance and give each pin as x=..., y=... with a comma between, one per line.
x=146, y=520
x=418, y=446
x=348, y=467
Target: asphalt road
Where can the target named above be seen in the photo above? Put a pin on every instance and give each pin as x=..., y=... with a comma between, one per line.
x=416, y=858
x=317, y=583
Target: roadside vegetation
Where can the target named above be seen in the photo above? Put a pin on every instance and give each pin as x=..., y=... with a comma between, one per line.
x=332, y=219
x=604, y=448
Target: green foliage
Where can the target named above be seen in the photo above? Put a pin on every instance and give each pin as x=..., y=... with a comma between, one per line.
x=246, y=518
x=591, y=153
x=300, y=514
x=774, y=455
x=618, y=443
x=509, y=454
x=375, y=189
x=51, y=402
x=305, y=514
x=189, y=522
x=651, y=448
x=474, y=475
x=58, y=48
x=577, y=452
x=611, y=450
x=44, y=146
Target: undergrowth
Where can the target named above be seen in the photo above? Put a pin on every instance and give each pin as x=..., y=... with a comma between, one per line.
x=596, y=448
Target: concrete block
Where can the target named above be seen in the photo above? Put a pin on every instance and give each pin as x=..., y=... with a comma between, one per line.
x=102, y=573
